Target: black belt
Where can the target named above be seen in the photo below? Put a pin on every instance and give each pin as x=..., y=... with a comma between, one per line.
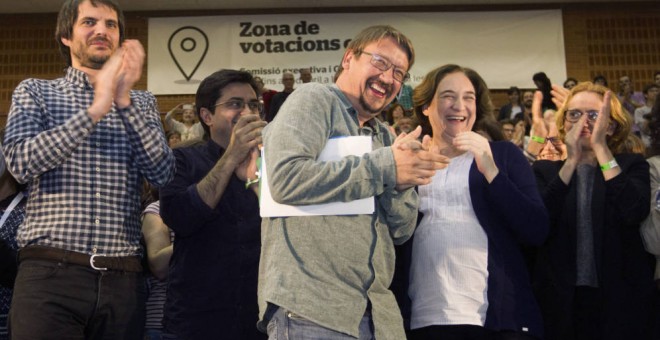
x=97, y=262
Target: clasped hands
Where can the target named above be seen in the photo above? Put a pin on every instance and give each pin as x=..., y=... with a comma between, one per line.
x=244, y=146
x=416, y=162
x=113, y=82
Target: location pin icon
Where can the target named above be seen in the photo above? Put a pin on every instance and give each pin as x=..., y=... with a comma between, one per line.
x=188, y=46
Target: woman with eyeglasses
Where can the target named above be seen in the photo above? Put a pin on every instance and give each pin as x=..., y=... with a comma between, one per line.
x=593, y=278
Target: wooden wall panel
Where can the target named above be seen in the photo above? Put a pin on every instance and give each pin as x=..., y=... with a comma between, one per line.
x=613, y=43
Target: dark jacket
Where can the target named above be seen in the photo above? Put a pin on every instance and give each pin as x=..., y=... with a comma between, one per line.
x=624, y=269
x=511, y=212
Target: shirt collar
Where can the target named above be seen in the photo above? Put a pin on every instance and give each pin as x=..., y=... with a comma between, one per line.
x=349, y=107
x=78, y=77
x=343, y=99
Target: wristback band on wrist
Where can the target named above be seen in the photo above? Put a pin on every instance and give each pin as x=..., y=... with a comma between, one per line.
x=531, y=157
x=538, y=139
x=609, y=165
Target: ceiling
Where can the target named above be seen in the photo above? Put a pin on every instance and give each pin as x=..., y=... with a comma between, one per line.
x=46, y=6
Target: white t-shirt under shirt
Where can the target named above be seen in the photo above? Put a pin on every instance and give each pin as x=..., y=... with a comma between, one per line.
x=449, y=270
x=514, y=111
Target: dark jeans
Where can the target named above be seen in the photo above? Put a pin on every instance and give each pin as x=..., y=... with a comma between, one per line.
x=63, y=301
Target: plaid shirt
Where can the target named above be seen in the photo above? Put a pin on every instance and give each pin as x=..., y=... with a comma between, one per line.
x=85, y=180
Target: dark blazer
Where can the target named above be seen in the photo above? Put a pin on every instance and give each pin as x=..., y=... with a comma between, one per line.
x=505, y=112
x=512, y=214
x=624, y=269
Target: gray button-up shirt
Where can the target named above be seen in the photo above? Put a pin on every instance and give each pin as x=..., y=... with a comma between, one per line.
x=327, y=268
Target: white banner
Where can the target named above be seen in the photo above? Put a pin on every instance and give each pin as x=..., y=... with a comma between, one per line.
x=506, y=48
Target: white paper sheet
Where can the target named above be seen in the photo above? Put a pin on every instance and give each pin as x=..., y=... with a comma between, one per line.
x=335, y=149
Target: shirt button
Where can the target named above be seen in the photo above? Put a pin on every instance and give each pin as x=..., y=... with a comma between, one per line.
x=98, y=194
x=98, y=169
x=97, y=221
x=98, y=145
x=131, y=119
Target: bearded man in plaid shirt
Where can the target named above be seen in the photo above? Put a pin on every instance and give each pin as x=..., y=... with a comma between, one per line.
x=84, y=143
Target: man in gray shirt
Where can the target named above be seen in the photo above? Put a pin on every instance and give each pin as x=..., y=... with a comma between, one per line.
x=327, y=277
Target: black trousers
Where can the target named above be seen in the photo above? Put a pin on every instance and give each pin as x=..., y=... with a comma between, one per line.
x=464, y=332
x=54, y=300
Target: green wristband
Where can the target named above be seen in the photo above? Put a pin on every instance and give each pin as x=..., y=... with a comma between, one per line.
x=538, y=139
x=251, y=181
x=609, y=165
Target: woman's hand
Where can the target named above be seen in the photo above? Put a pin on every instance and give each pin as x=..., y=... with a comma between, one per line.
x=478, y=145
x=602, y=124
x=559, y=95
x=572, y=140
x=539, y=129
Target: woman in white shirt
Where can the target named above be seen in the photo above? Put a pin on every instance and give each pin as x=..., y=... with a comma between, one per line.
x=468, y=278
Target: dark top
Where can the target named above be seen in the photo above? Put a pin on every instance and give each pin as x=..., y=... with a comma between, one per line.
x=505, y=111
x=212, y=291
x=267, y=97
x=275, y=104
x=8, y=265
x=624, y=269
x=512, y=214
x=8, y=249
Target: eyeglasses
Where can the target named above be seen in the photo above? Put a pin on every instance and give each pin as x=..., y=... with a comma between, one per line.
x=555, y=141
x=383, y=64
x=239, y=105
x=574, y=115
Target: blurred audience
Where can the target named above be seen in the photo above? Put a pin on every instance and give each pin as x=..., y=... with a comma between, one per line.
x=305, y=75
x=265, y=95
x=570, y=83
x=600, y=80
x=642, y=113
x=630, y=99
x=288, y=81
x=513, y=107
x=189, y=128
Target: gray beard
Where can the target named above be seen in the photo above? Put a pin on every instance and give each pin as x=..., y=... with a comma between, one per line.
x=371, y=109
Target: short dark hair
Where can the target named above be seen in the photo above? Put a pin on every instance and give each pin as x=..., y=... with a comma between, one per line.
x=68, y=17
x=570, y=79
x=211, y=89
x=602, y=78
x=374, y=34
x=512, y=90
x=509, y=121
x=648, y=87
x=425, y=92
x=542, y=78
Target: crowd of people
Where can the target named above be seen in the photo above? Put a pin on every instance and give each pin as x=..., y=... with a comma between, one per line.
x=540, y=220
